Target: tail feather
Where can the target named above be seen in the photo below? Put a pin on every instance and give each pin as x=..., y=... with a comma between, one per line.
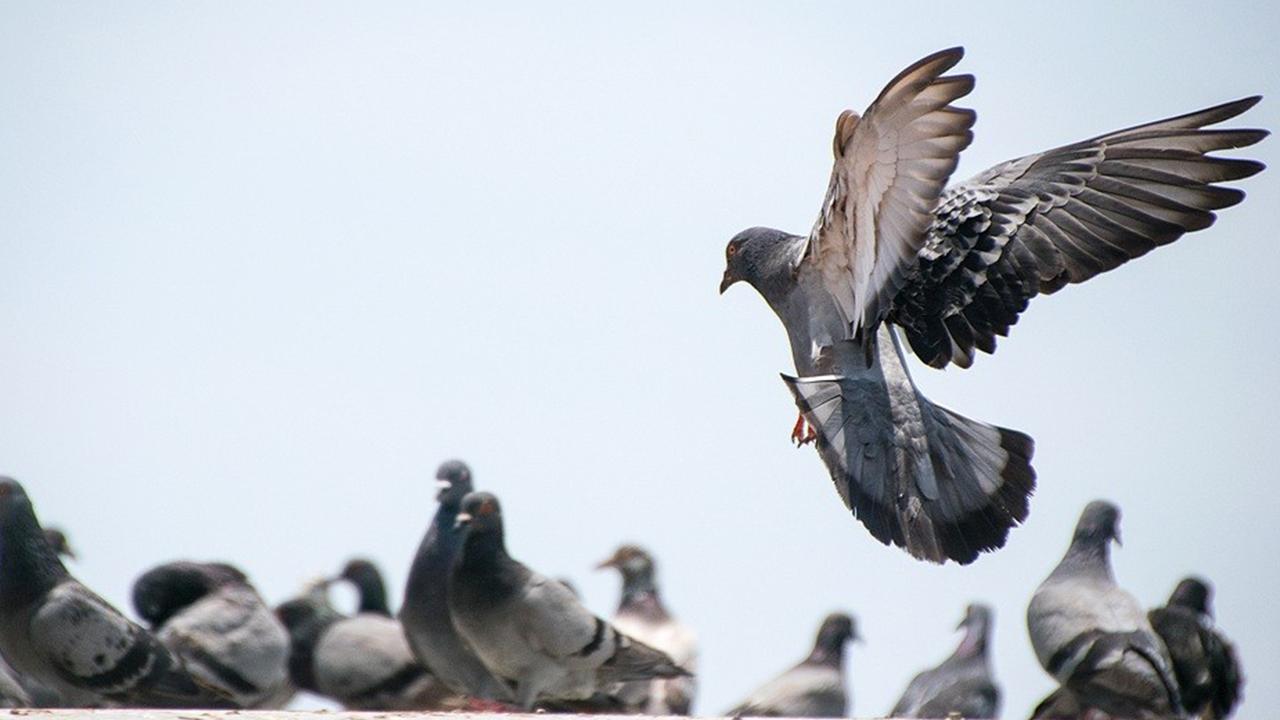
x=634, y=660
x=918, y=475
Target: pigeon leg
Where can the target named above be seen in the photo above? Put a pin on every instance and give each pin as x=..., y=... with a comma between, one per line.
x=803, y=433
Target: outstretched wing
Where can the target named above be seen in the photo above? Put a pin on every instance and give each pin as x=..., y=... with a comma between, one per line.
x=1035, y=224
x=890, y=166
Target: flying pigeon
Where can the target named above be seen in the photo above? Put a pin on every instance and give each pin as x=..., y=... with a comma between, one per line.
x=368, y=581
x=362, y=661
x=1204, y=661
x=961, y=684
x=530, y=630
x=210, y=616
x=951, y=269
x=813, y=688
x=642, y=615
x=425, y=610
x=65, y=636
x=1093, y=636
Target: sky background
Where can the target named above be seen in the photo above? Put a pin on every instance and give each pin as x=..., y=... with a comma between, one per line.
x=264, y=265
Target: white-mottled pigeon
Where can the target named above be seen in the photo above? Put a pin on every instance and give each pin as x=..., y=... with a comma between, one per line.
x=362, y=661
x=961, y=684
x=210, y=616
x=1204, y=661
x=530, y=630
x=813, y=688
x=953, y=269
x=425, y=610
x=65, y=636
x=1093, y=636
x=642, y=615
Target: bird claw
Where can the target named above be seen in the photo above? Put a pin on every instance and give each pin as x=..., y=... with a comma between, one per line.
x=803, y=433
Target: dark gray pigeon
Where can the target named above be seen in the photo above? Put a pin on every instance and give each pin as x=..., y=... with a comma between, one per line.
x=642, y=615
x=63, y=635
x=1204, y=661
x=210, y=616
x=1094, y=637
x=367, y=579
x=425, y=610
x=961, y=684
x=530, y=630
x=57, y=540
x=953, y=269
x=813, y=688
x=23, y=691
x=362, y=661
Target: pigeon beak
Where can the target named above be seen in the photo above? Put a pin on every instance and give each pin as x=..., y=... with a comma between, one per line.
x=1119, y=541
x=606, y=564
x=463, y=520
x=442, y=484
x=727, y=280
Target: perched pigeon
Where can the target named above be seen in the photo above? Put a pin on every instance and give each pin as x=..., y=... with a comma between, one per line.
x=530, y=630
x=642, y=615
x=953, y=269
x=60, y=633
x=1203, y=660
x=962, y=683
x=368, y=581
x=425, y=610
x=1092, y=636
x=815, y=687
x=362, y=661
x=210, y=616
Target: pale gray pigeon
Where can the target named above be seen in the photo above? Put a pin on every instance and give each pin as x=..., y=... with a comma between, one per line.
x=953, y=269
x=1093, y=636
x=425, y=610
x=813, y=688
x=1204, y=661
x=642, y=615
x=64, y=636
x=961, y=684
x=210, y=616
x=362, y=661
x=367, y=579
x=530, y=630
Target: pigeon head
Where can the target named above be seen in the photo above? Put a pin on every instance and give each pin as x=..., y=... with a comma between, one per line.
x=165, y=590
x=453, y=478
x=977, y=628
x=480, y=514
x=632, y=561
x=639, y=582
x=836, y=630
x=1195, y=594
x=58, y=541
x=1099, y=523
x=762, y=257
x=368, y=581
x=28, y=564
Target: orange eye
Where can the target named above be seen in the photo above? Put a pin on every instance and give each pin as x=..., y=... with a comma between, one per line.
x=486, y=508
x=731, y=250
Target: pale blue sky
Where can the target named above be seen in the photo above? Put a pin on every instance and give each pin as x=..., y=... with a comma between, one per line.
x=264, y=265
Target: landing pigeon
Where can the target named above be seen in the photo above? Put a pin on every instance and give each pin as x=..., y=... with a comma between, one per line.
x=961, y=684
x=952, y=269
x=530, y=630
x=813, y=688
x=425, y=610
x=1204, y=661
x=1094, y=637
x=642, y=615
x=369, y=584
x=65, y=636
x=210, y=616
x=362, y=661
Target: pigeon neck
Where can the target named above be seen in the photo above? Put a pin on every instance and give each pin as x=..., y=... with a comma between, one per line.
x=828, y=652
x=640, y=594
x=373, y=596
x=304, y=636
x=29, y=567
x=974, y=642
x=1091, y=556
x=483, y=549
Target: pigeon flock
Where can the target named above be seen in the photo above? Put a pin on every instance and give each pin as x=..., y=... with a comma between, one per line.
x=894, y=251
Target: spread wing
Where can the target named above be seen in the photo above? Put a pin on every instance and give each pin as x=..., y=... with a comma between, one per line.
x=890, y=166
x=1035, y=224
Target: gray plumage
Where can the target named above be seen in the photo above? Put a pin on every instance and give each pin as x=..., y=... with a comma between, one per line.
x=642, y=615
x=1204, y=661
x=370, y=587
x=362, y=661
x=425, y=611
x=63, y=635
x=210, y=616
x=530, y=630
x=813, y=688
x=962, y=683
x=1094, y=637
x=952, y=270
